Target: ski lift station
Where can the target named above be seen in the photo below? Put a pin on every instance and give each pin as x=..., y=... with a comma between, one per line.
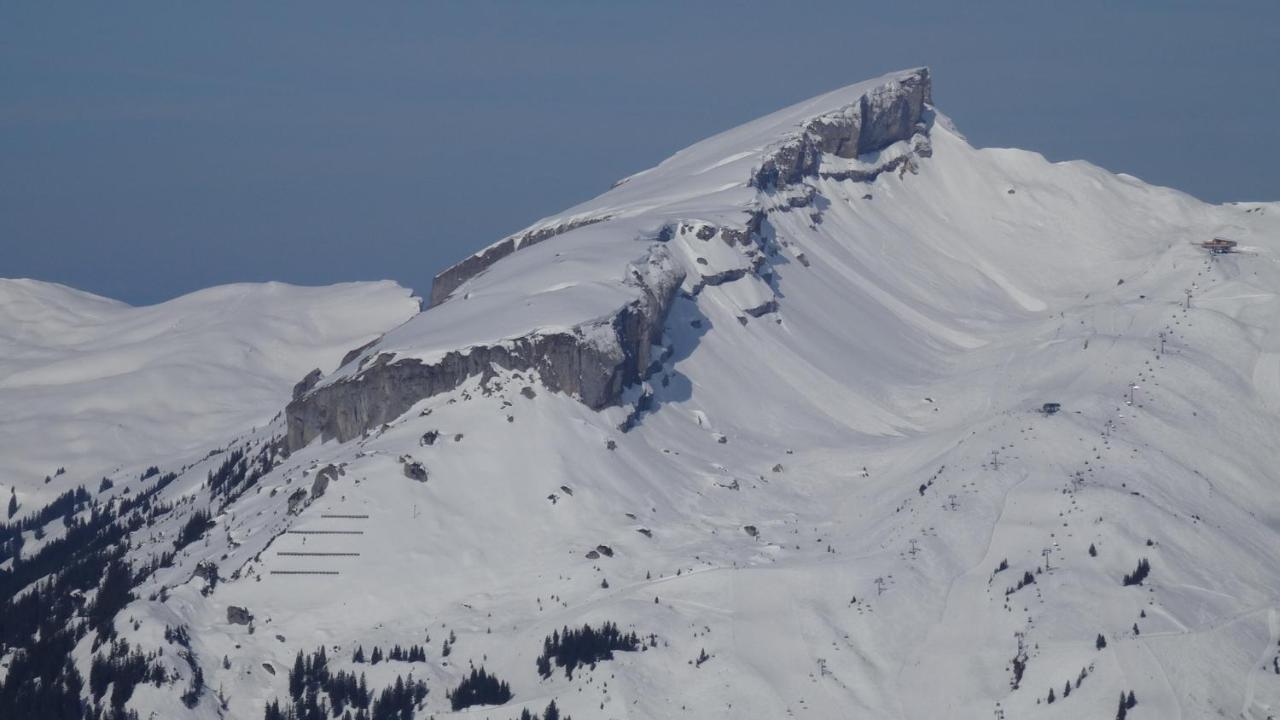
x=1219, y=245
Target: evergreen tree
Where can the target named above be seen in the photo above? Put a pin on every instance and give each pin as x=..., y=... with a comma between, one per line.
x=1139, y=574
x=320, y=665
x=113, y=595
x=297, y=677
x=194, y=528
x=1101, y=642
x=570, y=648
x=479, y=688
x=273, y=711
x=13, y=503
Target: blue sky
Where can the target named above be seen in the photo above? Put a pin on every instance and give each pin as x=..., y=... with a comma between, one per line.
x=151, y=149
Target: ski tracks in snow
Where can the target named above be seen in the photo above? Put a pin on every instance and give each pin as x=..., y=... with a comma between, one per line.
x=1273, y=624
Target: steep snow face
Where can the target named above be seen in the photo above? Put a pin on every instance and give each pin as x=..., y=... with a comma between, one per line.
x=94, y=385
x=832, y=491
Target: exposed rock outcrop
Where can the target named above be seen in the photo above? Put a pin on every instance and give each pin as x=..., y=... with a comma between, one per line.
x=209, y=572
x=593, y=362
x=237, y=615
x=298, y=501
x=326, y=475
x=415, y=470
x=450, y=278
x=354, y=353
x=888, y=114
x=305, y=384
x=763, y=309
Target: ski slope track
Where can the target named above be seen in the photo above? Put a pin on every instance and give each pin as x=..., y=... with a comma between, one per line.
x=775, y=406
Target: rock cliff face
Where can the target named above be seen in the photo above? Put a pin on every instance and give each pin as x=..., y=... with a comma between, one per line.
x=888, y=114
x=593, y=362
x=450, y=278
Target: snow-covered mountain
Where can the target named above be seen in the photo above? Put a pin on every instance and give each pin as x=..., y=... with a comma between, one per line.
x=776, y=407
x=94, y=386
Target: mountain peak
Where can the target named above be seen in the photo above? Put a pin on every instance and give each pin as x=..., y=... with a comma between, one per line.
x=858, y=119
x=602, y=298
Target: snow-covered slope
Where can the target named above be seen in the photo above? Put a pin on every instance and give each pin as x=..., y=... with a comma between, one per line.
x=774, y=405
x=96, y=386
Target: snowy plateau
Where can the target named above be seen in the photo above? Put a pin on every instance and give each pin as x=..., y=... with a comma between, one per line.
x=760, y=432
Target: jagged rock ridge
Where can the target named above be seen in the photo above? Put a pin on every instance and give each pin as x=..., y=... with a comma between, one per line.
x=450, y=278
x=890, y=113
x=593, y=362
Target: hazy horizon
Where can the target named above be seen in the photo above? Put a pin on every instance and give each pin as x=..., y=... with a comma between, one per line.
x=151, y=153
